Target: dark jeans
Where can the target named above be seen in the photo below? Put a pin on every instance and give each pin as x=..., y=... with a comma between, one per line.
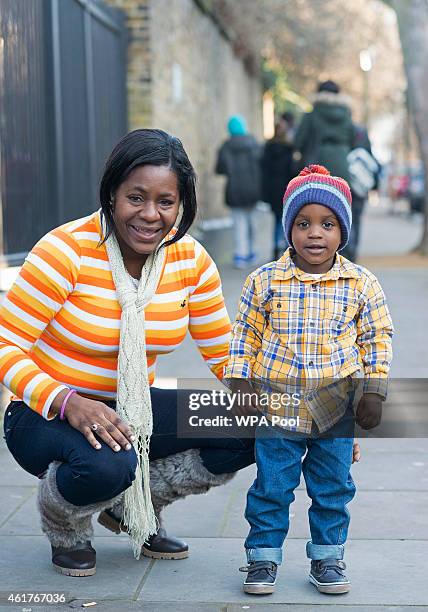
x=89, y=476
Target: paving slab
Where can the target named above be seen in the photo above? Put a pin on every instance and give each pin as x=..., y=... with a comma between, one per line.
x=12, y=474
x=195, y=515
x=401, y=471
x=395, y=446
x=11, y=499
x=210, y=575
x=368, y=511
x=222, y=516
x=120, y=605
x=321, y=608
x=25, y=565
x=130, y=606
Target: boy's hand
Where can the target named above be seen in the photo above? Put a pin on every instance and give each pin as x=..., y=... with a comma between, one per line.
x=356, y=452
x=369, y=411
x=243, y=405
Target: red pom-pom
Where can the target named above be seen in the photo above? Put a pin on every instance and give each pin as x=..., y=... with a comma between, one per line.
x=314, y=169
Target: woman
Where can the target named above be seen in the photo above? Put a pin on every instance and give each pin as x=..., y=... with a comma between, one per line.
x=96, y=301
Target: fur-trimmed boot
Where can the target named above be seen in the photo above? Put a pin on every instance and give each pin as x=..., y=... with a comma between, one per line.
x=171, y=478
x=179, y=475
x=68, y=527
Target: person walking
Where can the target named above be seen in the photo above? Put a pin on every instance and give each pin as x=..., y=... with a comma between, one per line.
x=239, y=159
x=94, y=305
x=326, y=135
x=277, y=170
x=364, y=170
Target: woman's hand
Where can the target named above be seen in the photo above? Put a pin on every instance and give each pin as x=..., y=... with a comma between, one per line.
x=356, y=452
x=92, y=417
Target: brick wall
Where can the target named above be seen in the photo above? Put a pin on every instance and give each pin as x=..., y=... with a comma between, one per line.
x=184, y=77
x=139, y=60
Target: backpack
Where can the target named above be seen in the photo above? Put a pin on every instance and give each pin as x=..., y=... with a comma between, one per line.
x=363, y=171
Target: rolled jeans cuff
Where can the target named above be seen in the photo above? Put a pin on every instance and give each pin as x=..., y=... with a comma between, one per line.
x=316, y=552
x=264, y=554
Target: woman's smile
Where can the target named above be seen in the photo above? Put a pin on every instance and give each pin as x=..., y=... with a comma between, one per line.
x=142, y=233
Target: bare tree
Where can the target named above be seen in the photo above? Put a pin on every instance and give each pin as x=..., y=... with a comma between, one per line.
x=412, y=16
x=319, y=39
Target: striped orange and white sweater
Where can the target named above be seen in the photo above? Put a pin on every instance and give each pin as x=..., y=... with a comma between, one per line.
x=59, y=322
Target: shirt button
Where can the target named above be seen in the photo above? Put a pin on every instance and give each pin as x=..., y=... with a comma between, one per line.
x=310, y=364
x=311, y=323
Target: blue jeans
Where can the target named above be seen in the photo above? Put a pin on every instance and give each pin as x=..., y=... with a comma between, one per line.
x=244, y=232
x=326, y=469
x=89, y=476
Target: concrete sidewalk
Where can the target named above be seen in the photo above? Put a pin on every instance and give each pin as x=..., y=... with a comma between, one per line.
x=389, y=529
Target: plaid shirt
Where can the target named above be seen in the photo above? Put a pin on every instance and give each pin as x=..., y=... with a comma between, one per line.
x=297, y=332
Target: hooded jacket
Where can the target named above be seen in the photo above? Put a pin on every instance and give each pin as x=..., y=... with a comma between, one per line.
x=326, y=135
x=238, y=159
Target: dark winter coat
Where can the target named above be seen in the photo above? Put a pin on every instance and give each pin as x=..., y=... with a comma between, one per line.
x=325, y=136
x=239, y=159
x=277, y=170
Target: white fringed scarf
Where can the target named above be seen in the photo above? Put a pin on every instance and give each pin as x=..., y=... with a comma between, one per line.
x=133, y=402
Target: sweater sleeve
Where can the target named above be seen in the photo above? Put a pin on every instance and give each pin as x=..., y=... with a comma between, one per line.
x=247, y=333
x=209, y=323
x=374, y=338
x=43, y=285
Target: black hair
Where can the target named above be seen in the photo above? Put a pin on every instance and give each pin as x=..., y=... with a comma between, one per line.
x=330, y=86
x=154, y=148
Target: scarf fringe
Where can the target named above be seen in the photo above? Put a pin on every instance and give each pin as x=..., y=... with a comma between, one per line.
x=139, y=515
x=133, y=391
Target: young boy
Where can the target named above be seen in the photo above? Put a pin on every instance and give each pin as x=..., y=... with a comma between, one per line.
x=312, y=320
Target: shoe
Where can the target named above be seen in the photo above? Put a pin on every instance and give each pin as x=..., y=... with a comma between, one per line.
x=158, y=546
x=261, y=577
x=162, y=546
x=108, y=520
x=79, y=560
x=240, y=263
x=329, y=577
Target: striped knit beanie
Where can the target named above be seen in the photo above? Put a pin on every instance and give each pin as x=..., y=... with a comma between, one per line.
x=315, y=185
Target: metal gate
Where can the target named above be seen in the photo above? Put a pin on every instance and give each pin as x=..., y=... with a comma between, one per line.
x=62, y=108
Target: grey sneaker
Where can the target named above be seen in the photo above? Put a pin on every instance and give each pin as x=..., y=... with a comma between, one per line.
x=329, y=577
x=261, y=577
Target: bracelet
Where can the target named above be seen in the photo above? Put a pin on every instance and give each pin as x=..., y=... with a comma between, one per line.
x=64, y=403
